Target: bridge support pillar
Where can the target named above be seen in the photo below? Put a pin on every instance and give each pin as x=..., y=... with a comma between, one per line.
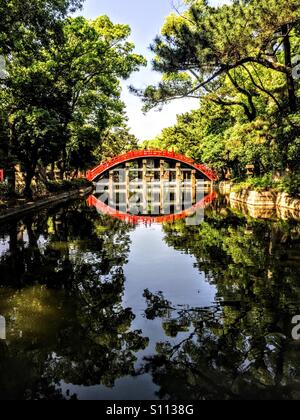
x=2, y=328
x=127, y=185
x=111, y=189
x=178, y=187
x=162, y=186
x=162, y=170
x=145, y=198
x=194, y=186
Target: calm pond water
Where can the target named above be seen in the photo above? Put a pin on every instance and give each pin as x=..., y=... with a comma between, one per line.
x=94, y=308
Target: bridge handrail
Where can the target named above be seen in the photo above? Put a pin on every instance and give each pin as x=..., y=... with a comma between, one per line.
x=127, y=156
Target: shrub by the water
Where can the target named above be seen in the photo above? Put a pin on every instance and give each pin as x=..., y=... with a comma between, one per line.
x=287, y=184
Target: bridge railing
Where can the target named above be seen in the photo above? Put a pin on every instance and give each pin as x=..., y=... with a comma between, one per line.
x=134, y=154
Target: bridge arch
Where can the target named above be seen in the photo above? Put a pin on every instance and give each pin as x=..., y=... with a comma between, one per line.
x=93, y=174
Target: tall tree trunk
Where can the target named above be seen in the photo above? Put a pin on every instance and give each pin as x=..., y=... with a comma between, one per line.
x=11, y=179
x=288, y=63
x=63, y=163
x=11, y=172
x=29, y=174
x=13, y=239
x=75, y=174
x=52, y=171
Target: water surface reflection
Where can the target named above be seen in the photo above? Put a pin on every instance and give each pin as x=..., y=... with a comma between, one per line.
x=96, y=308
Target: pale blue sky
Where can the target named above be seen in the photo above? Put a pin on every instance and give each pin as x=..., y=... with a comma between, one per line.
x=145, y=18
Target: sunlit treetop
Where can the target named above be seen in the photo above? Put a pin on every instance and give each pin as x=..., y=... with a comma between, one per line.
x=206, y=43
x=18, y=17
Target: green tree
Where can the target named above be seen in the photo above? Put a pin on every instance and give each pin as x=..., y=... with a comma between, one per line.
x=206, y=45
x=24, y=27
x=114, y=142
x=95, y=57
x=238, y=61
x=63, y=98
x=41, y=17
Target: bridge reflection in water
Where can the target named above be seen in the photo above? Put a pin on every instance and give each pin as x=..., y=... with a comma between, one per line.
x=147, y=193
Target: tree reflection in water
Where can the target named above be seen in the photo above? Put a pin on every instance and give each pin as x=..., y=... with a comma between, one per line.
x=62, y=296
x=241, y=346
x=62, y=283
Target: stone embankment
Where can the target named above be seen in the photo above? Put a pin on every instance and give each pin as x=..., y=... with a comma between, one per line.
x=266, y=203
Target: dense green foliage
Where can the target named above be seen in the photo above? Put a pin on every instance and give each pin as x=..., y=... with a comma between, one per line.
x=241, y=61
x=43, y=18
x=61, y=94
x=60, y=106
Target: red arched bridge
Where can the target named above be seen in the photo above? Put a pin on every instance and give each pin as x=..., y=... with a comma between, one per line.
x=97, y=172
